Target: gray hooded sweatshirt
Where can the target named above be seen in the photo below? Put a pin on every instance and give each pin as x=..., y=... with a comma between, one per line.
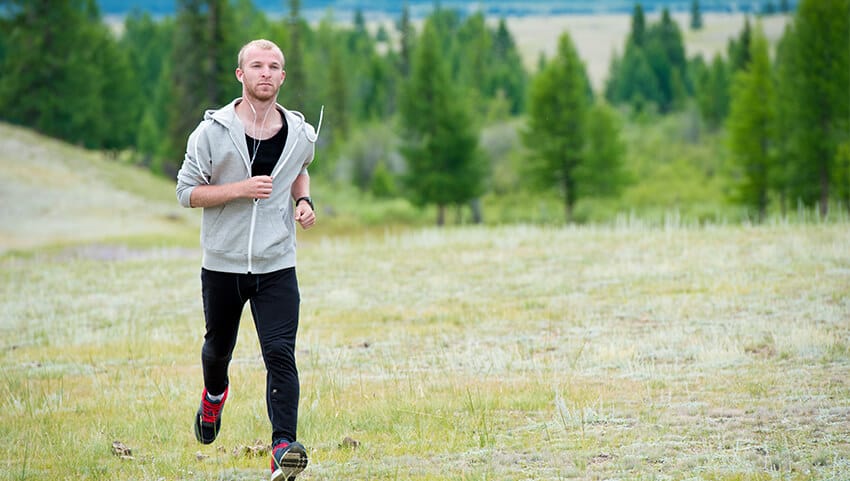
x=245, y=235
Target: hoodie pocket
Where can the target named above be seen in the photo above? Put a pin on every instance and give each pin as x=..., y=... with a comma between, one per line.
x=271, y=233
x=225, y=231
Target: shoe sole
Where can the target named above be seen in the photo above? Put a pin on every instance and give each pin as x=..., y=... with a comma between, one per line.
x=199, y=435
x=291, y=465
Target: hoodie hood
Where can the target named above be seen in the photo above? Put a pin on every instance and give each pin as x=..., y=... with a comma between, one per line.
x=226, y=116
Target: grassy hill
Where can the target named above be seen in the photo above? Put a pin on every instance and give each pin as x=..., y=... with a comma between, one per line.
x=54, y=193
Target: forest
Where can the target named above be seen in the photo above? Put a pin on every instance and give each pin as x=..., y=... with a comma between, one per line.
x=441, y=115
x=496, y=7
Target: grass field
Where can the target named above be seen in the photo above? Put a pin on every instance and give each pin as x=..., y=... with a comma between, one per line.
x=619, y=352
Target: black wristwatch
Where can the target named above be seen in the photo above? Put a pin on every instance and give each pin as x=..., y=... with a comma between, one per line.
x=308, y=199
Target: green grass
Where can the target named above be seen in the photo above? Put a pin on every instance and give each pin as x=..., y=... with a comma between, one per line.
x=621, y=352
x=660, y=345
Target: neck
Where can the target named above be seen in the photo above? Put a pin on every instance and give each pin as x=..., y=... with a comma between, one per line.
x=258, y=117
x=251, y=106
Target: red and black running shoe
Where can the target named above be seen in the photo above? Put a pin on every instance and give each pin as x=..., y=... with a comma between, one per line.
x=288, y=459
x=208, y=418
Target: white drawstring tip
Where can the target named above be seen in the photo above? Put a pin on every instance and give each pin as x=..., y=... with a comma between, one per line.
x=321, y=116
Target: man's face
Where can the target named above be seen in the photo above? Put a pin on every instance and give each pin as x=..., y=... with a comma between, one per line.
x=261, y=73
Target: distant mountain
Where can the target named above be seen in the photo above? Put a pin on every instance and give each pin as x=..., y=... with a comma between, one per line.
x=498, y=8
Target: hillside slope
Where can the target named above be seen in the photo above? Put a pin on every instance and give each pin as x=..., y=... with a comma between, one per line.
x=55, y=193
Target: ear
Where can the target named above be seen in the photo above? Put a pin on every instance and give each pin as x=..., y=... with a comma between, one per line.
x=239, y=74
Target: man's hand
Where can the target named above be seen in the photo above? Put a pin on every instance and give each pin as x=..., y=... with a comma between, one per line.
x=257, y=187
x=211, y=195
x=304, y=215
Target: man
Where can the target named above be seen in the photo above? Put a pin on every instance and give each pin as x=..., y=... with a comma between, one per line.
x=246, y=166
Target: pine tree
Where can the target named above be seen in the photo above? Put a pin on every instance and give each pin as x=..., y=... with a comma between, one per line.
x=739, y=49
x=653, y=68
x=601, y=172
x=750, y=126
x=696, y=15
x=444, y=166
x=820, y=105
x=666, y=54
x=636, y=36
x=557, y=119
x=122, y=105
x=508, y=73
x=475, y=44
x=784, y=72
x=52, y=82
x=295, y=92
x=147, y=43
x=188, y=83
x=713, y=92
x=406, y=34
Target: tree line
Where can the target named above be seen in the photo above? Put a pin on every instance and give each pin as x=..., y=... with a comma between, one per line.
x=67, y=74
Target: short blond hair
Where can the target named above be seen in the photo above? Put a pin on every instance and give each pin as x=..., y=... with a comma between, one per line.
x=260, y=43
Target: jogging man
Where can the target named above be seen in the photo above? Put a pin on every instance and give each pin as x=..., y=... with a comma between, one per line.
x=246, y=166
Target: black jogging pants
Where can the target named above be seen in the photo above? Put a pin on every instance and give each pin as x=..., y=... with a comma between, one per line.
x=275, y=302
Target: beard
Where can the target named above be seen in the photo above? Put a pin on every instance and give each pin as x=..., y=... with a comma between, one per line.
x=262, y=93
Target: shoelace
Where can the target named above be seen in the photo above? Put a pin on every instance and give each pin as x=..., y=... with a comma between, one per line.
x=211, y=411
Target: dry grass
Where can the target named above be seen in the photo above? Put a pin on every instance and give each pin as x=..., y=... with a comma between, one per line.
x=617, y=352
x=52, y=192
x=597, y=37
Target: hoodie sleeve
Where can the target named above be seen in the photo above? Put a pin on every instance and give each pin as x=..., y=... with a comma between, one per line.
x=308, y=159
x=197, y=164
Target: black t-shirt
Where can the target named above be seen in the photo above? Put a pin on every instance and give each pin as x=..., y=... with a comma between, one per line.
x=268, y=151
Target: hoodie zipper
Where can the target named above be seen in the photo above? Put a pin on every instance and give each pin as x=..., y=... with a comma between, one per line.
x=251, y=236
x=276, y=171
x=253, y=208
x=253, y=225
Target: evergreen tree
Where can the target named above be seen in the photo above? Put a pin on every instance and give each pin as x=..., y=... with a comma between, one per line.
x=557, y=119
x=696, y=15
x=508, y=73
x=189, y=93
x=784, y=71
x=750, y=126
x=665, y=51
x=440, y=146
x=601, y=172
x=295, y=93
x=148, y=46
x=122, y=97
x=379, y=96
x=221, y=43
x=475, y=45
x=330, y=79
x=51, y=83
x=769, y=8
x=820, y=106
x=739, y=49
x=633, y=80
x=636, y=36
x=147, y=43
x=653, y=68
x=406, y=36
x=713, y=92
x=248, y=22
